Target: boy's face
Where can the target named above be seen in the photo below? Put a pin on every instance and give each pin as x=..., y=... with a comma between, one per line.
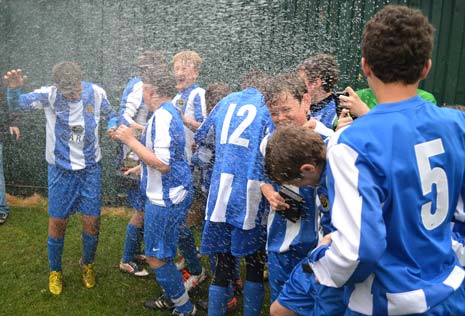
x=288, y=109
x=312, y=87
x=74, y=93
x=151, y=98
x=185, y=74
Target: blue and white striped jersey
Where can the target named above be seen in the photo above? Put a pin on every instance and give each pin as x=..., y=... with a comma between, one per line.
x=132, y=108
x=240, y=121
x=326, y=115
x=394, y=178
x=192, y=103
x=164, y=136
x=71, y=126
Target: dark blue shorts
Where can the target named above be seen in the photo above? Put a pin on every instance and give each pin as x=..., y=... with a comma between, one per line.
x=74, y=190
x=224, y=238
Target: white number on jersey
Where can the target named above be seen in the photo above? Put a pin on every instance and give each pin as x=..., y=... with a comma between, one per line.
x=428, y=177
x=235, y=137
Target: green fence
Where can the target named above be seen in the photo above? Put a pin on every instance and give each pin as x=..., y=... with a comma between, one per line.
x=232, y=36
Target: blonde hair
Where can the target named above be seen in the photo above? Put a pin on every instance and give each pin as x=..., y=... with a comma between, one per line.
x=188, y=55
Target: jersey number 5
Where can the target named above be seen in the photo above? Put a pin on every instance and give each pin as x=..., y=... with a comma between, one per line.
x=235, y=137
x=428, y=177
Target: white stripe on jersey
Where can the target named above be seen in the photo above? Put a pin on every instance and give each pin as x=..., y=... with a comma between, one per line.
x=361, y=298
x=161, y=146
x=459, y=214
x=99, y=95
x=254, y=196
x=224, y=191
x=133, y=101
x=346, y=197
x=50, y=142
x=154, y=189
x=459, y=250
x=76, y=149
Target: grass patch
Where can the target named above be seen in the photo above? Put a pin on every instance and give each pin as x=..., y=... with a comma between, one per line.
x=24, y=268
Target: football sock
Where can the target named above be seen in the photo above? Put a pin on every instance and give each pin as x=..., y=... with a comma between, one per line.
x=188, y=250
x=89, y=245
x=55, y=251
x=253, y=298
x=217, y=300
x=170, y=280
x=130, y=243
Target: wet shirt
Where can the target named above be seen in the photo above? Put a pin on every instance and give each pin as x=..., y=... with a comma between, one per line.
x=132, y=108
x=72, y=139
x=240, y=122
x=192, y=103
x=325, y=111
x=164, y=136
x=395, y=177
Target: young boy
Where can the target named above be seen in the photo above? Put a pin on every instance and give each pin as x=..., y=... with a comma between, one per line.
x=190, y=100
x=395, y=177
x=233, y=226
x=166, y=180
x=134, y=113
x=321, y=74
x=72, y=110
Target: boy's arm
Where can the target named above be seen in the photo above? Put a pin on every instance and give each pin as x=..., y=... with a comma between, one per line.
x=34, y=100
x=130, y=103
x=107, y=110
x=200, y=110
x=458, y=245
x=355, y=208
x=126, y=135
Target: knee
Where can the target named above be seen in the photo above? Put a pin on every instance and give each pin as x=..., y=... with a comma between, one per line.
x=155, y=263
x=137, y=219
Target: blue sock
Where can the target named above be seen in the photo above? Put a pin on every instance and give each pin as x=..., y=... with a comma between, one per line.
x=217, y=300
x=130, y=243
x=253, y=298
x=55, y=250
x=170, y=281
x=237, y=269
x=89, y=247
x=188, y=250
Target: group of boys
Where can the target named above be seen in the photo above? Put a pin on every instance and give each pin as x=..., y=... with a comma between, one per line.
x=383, y=188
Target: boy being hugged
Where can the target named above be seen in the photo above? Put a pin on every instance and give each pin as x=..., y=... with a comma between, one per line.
x=72, y=110
x=166, y=181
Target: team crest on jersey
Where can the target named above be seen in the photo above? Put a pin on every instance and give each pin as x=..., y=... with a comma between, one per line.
x=181, y=102
x=324, y=202
x=89, y=109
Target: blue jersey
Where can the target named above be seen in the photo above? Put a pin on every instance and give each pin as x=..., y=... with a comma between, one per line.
x=191, y=101
x=325, y=111
x=240, y=122
x=132, y=108
x=71, y=126
x=164, y=136
x=394, y=178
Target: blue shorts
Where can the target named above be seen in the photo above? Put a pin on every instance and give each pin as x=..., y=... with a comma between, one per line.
x=74, y=190
x=161, y=227
x=302, y=295
x=136, y=199
x=224, y=238
x=280, y=266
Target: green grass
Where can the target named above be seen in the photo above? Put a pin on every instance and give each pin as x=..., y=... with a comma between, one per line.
x=24, y=271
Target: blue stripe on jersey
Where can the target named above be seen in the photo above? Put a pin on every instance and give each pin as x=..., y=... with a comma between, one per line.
x=395, y=176
x=89, y=123
x=240, y=121
x=198, y=108
x=326, y=115
x=164, y=135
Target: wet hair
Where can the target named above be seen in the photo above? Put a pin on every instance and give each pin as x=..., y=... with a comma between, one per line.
x=456, y=107
x=254, y=78
x=150, y=58
x=188, y=56
x=397, y=43
x=214, y=93
x=289, y=148
x=321, y=66
x=66, y=75
x=287, y=82
x=162, y=80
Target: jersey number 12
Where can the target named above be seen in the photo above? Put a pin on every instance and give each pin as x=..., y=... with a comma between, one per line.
x=235, y=137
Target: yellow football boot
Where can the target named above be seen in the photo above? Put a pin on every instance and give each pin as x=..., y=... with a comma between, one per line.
x=55, y=282
x=88, y=275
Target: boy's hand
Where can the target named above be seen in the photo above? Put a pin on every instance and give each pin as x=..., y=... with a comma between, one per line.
x=274, y=198
x=344, y=119
x=111, y=132
x=15, y=131
x=133, y=171
x=353, y=102
x=124, y=134
x=15, y=78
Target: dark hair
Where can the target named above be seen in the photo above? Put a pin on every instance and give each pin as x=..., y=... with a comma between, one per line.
x=321, y=66
x=289, y=148
x=287, y=82
x=254, y=78
x=161, y=79
x=397, y=43
x=66, y=75
x=214, y=93
x=456, y=107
